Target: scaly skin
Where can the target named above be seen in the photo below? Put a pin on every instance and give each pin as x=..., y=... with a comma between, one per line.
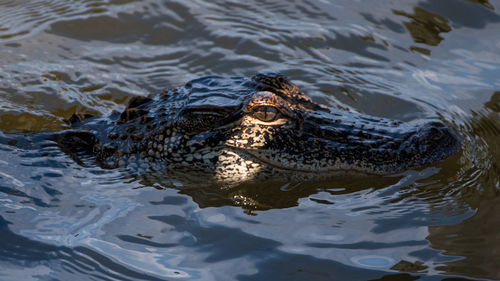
x=239, y=129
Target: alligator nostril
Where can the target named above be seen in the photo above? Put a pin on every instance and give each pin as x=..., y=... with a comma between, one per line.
x=436, y=133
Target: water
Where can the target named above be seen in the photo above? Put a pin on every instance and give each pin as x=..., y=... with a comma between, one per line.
x=398, y=59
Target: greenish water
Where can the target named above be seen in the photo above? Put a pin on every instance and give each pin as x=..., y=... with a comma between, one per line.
x=404, y=60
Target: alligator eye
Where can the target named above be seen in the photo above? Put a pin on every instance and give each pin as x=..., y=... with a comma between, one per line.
x=265, y=113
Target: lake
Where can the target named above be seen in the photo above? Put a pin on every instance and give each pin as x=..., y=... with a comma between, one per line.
x=404, y=60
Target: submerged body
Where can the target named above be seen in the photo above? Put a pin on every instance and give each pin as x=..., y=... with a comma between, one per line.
x=240, y=129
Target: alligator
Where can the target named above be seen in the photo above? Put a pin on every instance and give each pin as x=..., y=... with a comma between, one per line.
x=241, y=129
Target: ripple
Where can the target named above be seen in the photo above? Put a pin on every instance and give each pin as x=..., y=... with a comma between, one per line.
x=24, y=19
x=426, y=60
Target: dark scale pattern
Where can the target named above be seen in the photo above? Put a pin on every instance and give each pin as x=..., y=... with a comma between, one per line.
x=240, y=128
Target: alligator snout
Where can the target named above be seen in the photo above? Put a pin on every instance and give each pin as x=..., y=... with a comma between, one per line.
x=355, y=142
x=435, y=142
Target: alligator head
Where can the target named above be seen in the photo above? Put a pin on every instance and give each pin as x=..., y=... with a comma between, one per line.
x=245, y=128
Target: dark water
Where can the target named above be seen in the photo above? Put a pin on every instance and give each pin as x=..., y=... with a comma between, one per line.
x=399, y=59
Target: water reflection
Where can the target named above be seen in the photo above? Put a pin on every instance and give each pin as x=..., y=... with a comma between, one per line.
x=430, y=20
x=476, y=239
x=61, y=220
x=476, y=14
x=485, y=3
x=261, y=195
x=425, y=27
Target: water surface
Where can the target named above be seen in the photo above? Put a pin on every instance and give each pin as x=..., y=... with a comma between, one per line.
x=404, y=60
